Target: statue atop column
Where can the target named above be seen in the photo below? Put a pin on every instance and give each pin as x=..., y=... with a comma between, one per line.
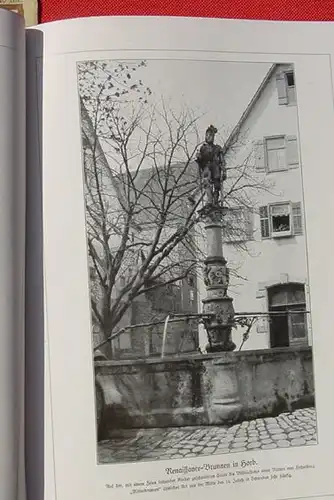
x=217, y=305
x=211, y=162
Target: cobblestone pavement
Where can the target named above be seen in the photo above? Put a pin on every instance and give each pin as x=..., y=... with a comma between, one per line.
x=288, y=429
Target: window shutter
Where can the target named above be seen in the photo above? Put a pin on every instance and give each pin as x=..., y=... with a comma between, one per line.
x=264, y=221
x=297, y=218
x=281, y=89
x=292, y=150
x=260, y=163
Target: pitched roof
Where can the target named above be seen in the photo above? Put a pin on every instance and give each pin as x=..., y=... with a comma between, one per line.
x=249, y=108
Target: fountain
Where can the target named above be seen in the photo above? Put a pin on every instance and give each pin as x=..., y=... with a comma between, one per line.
x=218, y=309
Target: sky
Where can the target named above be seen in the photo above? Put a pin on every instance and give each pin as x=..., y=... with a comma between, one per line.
x=220, y=90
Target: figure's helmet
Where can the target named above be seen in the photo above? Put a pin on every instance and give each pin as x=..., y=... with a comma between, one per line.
x=211, y=130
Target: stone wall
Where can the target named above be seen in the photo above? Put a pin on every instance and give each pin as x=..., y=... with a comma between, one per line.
x=198, y=389
x=272, y=381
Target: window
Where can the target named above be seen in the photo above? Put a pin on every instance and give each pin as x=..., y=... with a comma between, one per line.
x=166, y=298
x=122, y=342
x=281, y=219
x=276, y=154
x=237, y=225
x=290, y=87
x=287, y=315
x=290, y=78
x=286, y=88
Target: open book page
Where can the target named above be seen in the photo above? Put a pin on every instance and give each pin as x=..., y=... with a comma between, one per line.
x=186, y=189
x=12, y=254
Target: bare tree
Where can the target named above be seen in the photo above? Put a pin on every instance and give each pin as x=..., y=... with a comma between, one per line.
x=139, y=174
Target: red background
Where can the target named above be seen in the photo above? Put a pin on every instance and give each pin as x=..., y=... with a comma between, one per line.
x=291, y=10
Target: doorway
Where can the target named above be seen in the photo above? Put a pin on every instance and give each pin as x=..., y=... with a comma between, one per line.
x=287, y=315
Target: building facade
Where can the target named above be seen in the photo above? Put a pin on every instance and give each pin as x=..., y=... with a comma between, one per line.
x=266, y=250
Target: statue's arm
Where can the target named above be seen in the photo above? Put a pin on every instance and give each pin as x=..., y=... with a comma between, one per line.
x=199, y=156
x=223, y=165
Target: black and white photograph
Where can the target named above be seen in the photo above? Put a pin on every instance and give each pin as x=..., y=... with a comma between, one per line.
x=197, y=258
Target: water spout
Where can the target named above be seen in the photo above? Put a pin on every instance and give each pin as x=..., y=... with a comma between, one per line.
x=164, y=338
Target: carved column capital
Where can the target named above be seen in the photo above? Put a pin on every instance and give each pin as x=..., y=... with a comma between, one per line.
x=212, y=214
x=216, y=274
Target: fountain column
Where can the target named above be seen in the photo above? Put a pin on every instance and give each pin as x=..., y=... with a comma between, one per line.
x=217, y=304
x=219, y=315
x=218, y=311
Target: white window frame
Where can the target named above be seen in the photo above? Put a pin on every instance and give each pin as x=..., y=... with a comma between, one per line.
x=291, y=153
x=280, y=234
x=266, y=140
